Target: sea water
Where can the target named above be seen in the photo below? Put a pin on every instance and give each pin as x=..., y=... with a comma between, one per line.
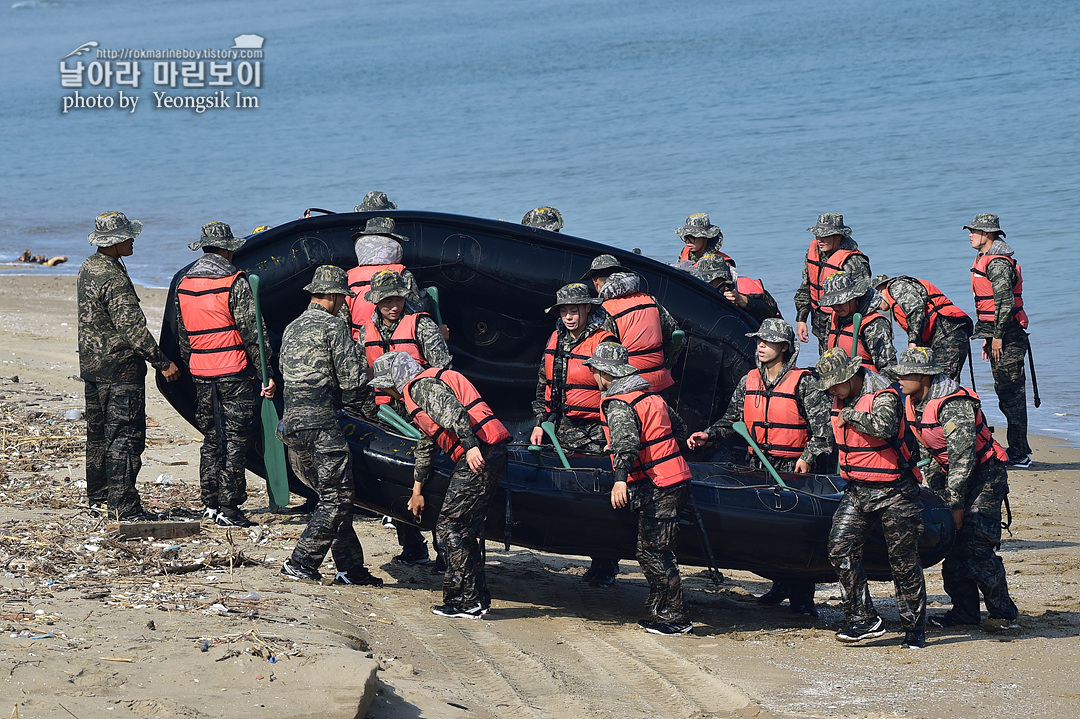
x=907, y=117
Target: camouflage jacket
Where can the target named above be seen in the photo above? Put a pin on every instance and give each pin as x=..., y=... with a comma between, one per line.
x=599, y=319
x=883, y=419
x=912, y=297
x=711, y=248
x=620, y=284
x=113, y=338
x=761, y=307
x=241, y=305
x=625, y=427
x=432, y=345
x=856, y=263
x=876, y=334
x=1002, y=277
x=814, y=404
x=957, y=418
x=320, y=367
x=441, y=404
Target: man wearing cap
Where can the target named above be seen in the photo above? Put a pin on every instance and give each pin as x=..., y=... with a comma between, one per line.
x=967, y=470
x=321, y=370
x=378, y=248
x=566, y=393
x=868, y=423
x=645, y=327
x=846, y=294
x=651, y=477
x=545, y=218
x=446, y=407
x=701, y=238
x=831, y=250
x=742, y=292
x=998, y=285
x=929, y=318
x=375, y=201
x=219, y=342
x=788, y=416
x=114, y=347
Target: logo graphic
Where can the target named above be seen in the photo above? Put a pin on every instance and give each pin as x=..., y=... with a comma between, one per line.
x=87, y=46
x=247, y=42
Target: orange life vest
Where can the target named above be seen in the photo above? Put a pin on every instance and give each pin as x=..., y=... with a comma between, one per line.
x=818, y=269
x=659, y=458
x=929, y=432
x=485, y=426
x=747, y=286
x=580, y=393
x=360, y=282
x=773, y=416
x=216, y=346
x=865, y=458
x=403, y=339
x=983, y=290
x=685, y=255
x=936, y=304
x=841, y=337
x=638, y=319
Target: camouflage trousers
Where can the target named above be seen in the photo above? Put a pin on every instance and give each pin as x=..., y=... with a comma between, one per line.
x=951, y=343
x=225, y=414
x=460, y=527
x=658, y=511
x=115, y=440
x=819, y=326
x=864, y=505
x=323, y=458
x=1010, y=384
x=973, y=565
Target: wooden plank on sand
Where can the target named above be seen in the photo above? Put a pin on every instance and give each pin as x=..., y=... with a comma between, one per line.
x=160, y=530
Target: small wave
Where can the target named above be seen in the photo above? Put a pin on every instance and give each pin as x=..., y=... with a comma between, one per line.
x=34, y=4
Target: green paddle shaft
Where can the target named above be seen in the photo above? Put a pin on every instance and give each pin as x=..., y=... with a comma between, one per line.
x=277, y=472
x=549, y=427
x=433, y=293
x=856, y=325
x=678, y=340
x=741, y=428
x=391, y=417
x=537, y=452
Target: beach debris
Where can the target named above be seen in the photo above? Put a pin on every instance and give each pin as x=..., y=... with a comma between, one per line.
x=157, y=530
x=27, y=256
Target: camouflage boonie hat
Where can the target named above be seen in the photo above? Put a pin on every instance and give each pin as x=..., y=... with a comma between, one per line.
x=698, y=225
x=329, y=280
x=381, y=226
x=715, y=267
x=985, y=223
x=373, y=201
x=112, y=228
x=830, y=224
x=393, y=369
x=878, y=280
x=575, y=293
x=386, y=283
x=601, y=263
x=546, y=218
x=774, y=329
x=840, y=287
x=217, y=234
x=916, y=360
x=611, y=357
x=835, y=367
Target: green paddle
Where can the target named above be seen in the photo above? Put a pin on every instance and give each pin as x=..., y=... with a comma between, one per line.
x=393, y=418
x=433, y=293
x=744, y=432
x=277, y=472
x=549, y=427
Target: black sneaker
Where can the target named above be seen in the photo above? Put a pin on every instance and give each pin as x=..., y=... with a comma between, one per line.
x=862, y=629
x=438, y=568
x=995, y=624
x=302, y=573
x=451, y=610
x=669, y=629
x=359, y=576
x=97, y=509
x=948, y=619
x=413, y=557
x=307, y=507
x=806, y=608
x=601, y=573
x=1019, y=462
x=209, y=513
x=232, y=518
x=138, y=516
x=777, y=593
x=914, y=640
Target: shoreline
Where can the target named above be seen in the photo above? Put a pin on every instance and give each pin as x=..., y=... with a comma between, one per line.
x=552, y=645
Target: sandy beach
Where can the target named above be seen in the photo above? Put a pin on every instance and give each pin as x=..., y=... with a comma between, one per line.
x=205, y=626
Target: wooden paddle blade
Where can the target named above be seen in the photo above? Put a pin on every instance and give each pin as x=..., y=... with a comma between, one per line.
x=277, y=470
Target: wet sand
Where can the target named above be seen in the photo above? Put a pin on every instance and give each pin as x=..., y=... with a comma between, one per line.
x=77, y=611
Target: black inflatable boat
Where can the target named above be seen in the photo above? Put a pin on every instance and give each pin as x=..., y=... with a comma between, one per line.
x=494, y=279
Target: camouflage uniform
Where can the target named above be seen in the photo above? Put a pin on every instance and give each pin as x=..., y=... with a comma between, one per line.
x=432, y=345
x=804, y=306
x=545, y=218
x=877, y=334
x=619, y=284
x=114, y=347
x=225, y=406
x=980, y=489
x=719, y=273
x=320, y=368
x=864, y=504
x=951, y=337
x=1009, y=376
x=375, y=201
